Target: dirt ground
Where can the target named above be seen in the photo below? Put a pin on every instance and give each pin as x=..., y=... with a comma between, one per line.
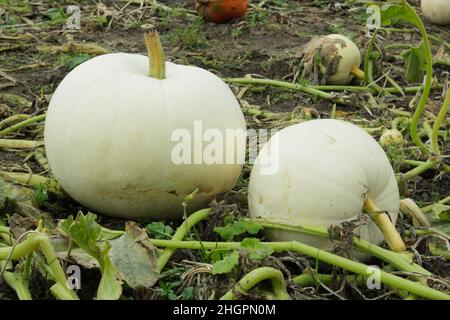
x=36, y=53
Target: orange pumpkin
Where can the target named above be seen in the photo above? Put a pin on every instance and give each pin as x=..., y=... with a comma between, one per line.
x=220, y=11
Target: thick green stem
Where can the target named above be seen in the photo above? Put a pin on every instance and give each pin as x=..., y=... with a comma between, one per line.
x=364, y=270
x=156, y=57
x=437, y=124
x=61, y=293
x=256, y=276
x=429, y=164
x=180, y=234
x=412, y=89
x=384, y=223
x=13, y=119
x=371, y=82
x=34, y=241
x=19, y=284
x=430, y=207
x=398, y=260
x=286, y=85
x=19, y=144
x=357, y=72
x=31, y=180
x=22, y=124
x=427, y=84
x=310, y=278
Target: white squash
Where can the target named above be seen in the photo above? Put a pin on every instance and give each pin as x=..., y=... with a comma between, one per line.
x=436, y=11
x=108, y=134
x=326, y=168
x=339, y=60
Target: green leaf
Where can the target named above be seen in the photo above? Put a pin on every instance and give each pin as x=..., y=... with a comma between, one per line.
x=77, y=60
x=441, y=212
x=187, y=293
x=110, y=287
x=56, y=16
x=159, y=230
x=443, y=227
x=239, y=227
x=84, y=231
x=134, y=257
x=255, y=249
x=227, y=264
x=415, y=62
x=41, y=194
x=393, y=13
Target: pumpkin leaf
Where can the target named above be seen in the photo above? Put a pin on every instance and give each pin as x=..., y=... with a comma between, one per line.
x=227, y=264
x=443, y=227
x=255, y=249
x=56, y=16
x=187, y=293
x=415, y=59
x=110, y=287
x=77, y=60
x=84, y=231
x=159, y=230
x=134, y=257
x=391, y=14
x=441, y=212
x=238, y=227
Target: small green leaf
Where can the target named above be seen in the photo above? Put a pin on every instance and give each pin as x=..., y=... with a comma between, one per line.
x=56, y=16
x=110, y=287
x=159, y=230
x=227, y=264
x=187, y=293
x=84, y=231
x=239, y=227
x=74, y=62
x=415, y=59
x=41, y=194
x=443, y=227
x=255, y=249
x=441, y=212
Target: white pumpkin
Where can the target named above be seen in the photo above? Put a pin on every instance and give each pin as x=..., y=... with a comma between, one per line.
x=340, y=58
x=436, y=11
x=325, y=169
x=108, y=136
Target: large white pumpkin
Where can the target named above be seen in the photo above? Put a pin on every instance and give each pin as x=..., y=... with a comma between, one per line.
x=108, y=136
x=436, y=11
x=325, y=169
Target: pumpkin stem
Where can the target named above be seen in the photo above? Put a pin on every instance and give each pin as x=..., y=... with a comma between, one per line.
x=384, y=223
x=156, y=57
x=357, y=72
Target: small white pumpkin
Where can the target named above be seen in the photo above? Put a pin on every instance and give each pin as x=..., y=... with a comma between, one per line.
x=436, y=11
x=339, y=60
x=108, y=134
x=326, y=168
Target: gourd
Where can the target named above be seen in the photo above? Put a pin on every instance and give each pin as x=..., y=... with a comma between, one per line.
x=322, y=173
x=436, y=11
x=109, y=134
x=333, y=59
x=221, y=11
